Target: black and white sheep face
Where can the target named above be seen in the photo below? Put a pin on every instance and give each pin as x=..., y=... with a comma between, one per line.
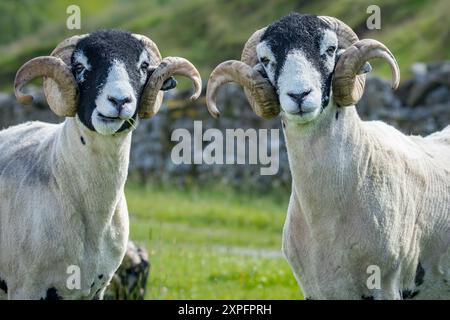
x=298, y=55
x=111, y=68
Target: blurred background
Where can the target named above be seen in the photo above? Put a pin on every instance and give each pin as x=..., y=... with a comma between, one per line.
x=214, y=232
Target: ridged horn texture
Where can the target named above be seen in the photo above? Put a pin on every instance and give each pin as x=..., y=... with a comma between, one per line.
x=151, y=47
x=259, y=91
x=60, y=87
x=148, y=109
x=348, y=85
x=152, y=96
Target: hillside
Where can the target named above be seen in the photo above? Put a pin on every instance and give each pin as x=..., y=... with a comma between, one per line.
x=208, y=32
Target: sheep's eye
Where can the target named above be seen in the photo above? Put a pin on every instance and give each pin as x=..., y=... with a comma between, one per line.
x=331, y=50
x=265, y=61
x=78, y=68
x=144, y=66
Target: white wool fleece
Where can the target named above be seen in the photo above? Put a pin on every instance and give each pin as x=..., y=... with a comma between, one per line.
x=62, y=205
x=364, y=194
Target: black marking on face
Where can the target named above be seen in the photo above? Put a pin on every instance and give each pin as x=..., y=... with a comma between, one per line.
x=326, y=89
x=420, y=274
x=102, y=48
x=337, y=115
x=52, y=294
x=100, y=276
x=300, y=32
x=3, y=286
x=364, y=297
x=82, y=140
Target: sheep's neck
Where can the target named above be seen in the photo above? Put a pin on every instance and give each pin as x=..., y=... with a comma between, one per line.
x=321, y=158
x=91, y=170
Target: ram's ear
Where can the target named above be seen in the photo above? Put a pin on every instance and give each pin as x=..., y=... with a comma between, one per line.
x=169, y=84
x=259, y=67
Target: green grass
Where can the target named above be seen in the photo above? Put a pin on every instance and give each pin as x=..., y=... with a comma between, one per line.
x=211, y=243
x=209, y=32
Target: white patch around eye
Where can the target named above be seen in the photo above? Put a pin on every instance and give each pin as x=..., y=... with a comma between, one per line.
x=80, y=57
x=263, y=51
x=329, y=39
x=144, y=57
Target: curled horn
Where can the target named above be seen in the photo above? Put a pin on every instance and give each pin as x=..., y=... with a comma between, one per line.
x=60, y=87
x=259, y=91
x=348, y=84
x=152, y=95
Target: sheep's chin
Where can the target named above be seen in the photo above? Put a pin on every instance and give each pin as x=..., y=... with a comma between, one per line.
x=300, y=118
x=104, y=126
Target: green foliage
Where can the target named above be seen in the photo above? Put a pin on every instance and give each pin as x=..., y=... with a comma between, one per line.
x=211, y=243
x=208, y=32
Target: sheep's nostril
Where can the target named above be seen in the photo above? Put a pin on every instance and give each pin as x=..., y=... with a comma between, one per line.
x=119, y=102
x=299, y=97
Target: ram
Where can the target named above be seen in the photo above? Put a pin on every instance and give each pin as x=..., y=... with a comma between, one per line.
x=63, y=212
x=367, y=201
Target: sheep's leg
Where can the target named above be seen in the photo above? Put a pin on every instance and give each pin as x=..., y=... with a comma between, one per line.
x=99, y=295
x=294, y=238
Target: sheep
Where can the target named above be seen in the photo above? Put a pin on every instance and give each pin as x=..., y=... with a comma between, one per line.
x=63, y=213
x=369, y=211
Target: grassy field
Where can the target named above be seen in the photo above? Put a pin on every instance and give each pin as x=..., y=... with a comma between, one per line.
x=211, y=244
x=209, y=32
